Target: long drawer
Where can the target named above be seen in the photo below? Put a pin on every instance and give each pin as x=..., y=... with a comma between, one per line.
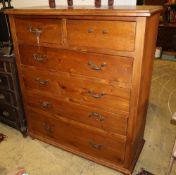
x=77, y=89
x=77, y=137
x=81, y=113
x=112, y=68
x=38, y=31
x=115, y=35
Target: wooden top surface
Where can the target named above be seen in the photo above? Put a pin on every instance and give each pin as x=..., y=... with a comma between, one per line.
x=88, y=10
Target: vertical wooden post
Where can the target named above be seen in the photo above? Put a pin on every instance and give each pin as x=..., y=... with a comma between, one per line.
x=4, y=4
x=97, y=3
x=70, y=2
x=110, y=2
x=52, y=3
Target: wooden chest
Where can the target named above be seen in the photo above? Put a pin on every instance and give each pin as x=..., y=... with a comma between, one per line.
x=85, y=76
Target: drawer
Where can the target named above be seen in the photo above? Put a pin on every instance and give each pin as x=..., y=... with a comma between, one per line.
x=7, y=113
x=112, y=68
x=6, y=82
x=5, y=66
x=77, y=89
x=115, y=35
x=81, y=113
x=7, y=97
x=32, y=30
x=77, y=137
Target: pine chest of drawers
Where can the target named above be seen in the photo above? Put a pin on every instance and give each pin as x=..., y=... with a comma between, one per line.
x=85, y=76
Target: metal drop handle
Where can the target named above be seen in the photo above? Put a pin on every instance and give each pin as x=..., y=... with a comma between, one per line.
x=40, y=58
x=90, y=30
x=0, y=80
x=94, y=145
x=104, y=31
x=42, y=82
x=97, y=116
x=96, y=95
x=95, y=67
x=48, y=128
x=45, y=104
x=36, y=31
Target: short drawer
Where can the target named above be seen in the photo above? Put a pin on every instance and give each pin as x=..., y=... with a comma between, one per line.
x=112, y=68
x=7, y=97
x=115, y=35
x=38, y=31
x=6, y=82
x=7, y=113
x=77, y=137
x=78, y=89
x=81, y=113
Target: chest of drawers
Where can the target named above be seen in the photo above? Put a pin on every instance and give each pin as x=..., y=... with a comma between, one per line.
x=85, y=76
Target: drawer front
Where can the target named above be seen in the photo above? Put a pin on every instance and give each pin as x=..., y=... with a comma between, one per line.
x=77, y=137
x=5, y=66
x=7, y=97
x=38, y=31
x=78, y=89
x=7, y=113
x=115, y=35
x=5, y=82
x=84, y=114
x=112, y=68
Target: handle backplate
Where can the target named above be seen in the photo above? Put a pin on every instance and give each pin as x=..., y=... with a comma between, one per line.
x=45, y=104
x=40, y=58
x=42, y=82
x=95, y=145
x=96, y=95
x=97, y=116
x=95, y=67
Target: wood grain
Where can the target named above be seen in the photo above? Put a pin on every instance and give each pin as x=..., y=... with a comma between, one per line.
x=90, y=74
x=125, y=11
